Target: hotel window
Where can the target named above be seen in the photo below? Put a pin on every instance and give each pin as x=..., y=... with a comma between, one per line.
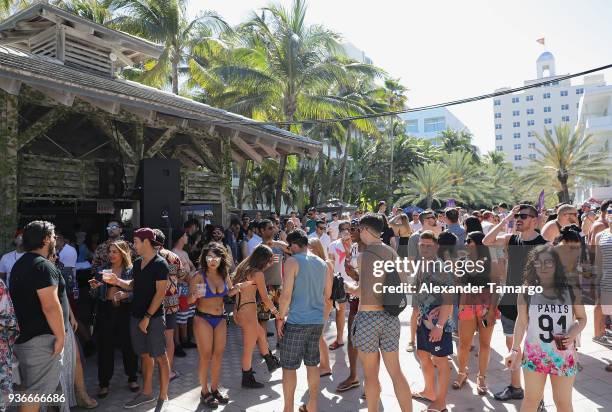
x=546, y=95
x=532, y=156
x=412, y=126
x=563, y=92
x=498, y=137
x=530, y=122
x=530, y=134
x=496, y=102
x=547, y=121
x=435, y=124
x=517, y=157
x=498, y=115
x=578, y=105
x=529, y=111
x=531, y=145
x=517, y=146
x=579, y=90
x=565, y=119
x=497, y=126
x=499, y=148
x=547, y=109
x=516, y=124
x=516, y=135
x=515, y=100
x=516, y=113
x=529, y=98
x=565, y=107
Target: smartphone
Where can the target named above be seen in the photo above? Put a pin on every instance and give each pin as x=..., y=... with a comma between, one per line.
x=484, y=323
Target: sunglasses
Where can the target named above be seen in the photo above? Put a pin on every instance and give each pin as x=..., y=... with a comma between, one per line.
x=112, y=227
x=522, y=216
x=549, y=263
x=213, y=258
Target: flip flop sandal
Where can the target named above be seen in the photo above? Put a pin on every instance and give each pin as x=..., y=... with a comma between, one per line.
x=354, y=384
x=434, y=410
x=303, y=409
x=419, y=397
x=335, y=345
x=325, y=374
x=209, y=400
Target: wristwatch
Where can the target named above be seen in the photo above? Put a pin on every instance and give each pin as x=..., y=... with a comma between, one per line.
x=439, y=326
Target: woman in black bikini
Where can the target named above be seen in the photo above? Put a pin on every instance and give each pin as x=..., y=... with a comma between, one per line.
x=207, y=288
x=245, y=315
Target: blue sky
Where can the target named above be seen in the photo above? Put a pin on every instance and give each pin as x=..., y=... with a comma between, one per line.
x=445, y=50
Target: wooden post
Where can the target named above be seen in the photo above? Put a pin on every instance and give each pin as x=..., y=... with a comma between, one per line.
x=226, y=180
x=9, y=108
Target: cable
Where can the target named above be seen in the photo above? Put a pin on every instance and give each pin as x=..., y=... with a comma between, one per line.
x=421, y=108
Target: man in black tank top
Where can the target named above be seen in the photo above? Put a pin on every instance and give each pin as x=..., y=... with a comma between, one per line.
x=518, y=245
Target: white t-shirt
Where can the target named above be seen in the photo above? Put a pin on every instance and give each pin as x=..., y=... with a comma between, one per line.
x=253, y=243
x=325, y=240
x=333, y=230
x=68, y=256
x=486, y=226
x=6, y=263
x=336, y=250
x=416, y=226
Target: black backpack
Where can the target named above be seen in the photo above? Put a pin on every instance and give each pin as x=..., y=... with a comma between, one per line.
x=338, y=293
x=393, y=303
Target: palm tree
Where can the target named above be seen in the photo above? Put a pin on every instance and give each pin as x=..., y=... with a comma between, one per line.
x=453, y=140
x=427, y=183
x=166, y=22
x=282, y=69
x=563, y=158
x=98, y=11
x=495, y=157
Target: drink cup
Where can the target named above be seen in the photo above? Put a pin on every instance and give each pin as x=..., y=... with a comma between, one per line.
x=559, y=341
x=107, y=275
x=276, y=258
x=200, y=289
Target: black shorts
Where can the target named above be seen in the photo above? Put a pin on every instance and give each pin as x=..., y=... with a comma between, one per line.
x=441, y=348
x=153, y=342
x=170, y=321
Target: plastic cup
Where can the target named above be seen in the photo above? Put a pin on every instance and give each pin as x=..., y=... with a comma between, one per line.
x=107, y=275
x=201, y=289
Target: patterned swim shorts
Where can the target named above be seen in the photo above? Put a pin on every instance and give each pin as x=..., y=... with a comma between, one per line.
x=374, y=331
x=300, y=342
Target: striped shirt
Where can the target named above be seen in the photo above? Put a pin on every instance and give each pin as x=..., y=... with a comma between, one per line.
x=605, y=248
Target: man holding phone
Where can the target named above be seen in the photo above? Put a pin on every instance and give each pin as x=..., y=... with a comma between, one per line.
x=147, y=324
x=338, y=251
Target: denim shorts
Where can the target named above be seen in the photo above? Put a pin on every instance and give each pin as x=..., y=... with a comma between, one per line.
x=507, y=325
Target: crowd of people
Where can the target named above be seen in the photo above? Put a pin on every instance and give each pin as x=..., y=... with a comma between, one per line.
x=63, y=297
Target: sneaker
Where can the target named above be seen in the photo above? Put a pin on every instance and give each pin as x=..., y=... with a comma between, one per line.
x=608, y=333
x=179, y=352
x=509, y=393
x=163, y=405
x=140, y=399
x=602, y=340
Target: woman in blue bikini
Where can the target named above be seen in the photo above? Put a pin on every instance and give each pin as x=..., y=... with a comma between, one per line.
x=207, y=288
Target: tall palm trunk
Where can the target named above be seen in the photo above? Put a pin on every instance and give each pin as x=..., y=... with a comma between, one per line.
x=241, y=180
x=344, y=162
x=563, y=195
x=278, y=195
x=175, y=79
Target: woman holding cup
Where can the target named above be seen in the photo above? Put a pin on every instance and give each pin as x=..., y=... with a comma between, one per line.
x=113, y=317
x=207, y=288
x=550, y=321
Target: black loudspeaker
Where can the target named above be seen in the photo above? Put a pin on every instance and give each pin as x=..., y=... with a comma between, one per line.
x=159, y=182
x=110, y=180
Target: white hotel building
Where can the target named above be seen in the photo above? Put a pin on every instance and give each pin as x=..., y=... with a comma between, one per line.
x=518, y=116
x=428, y=124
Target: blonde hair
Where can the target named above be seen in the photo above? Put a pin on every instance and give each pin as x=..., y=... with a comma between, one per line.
x=316, y=247
x=124, y=251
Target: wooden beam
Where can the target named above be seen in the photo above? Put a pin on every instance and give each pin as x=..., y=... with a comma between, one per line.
x=50, y=31
x=148, y=116
x=41, y=126
x=60, y=45
x=61, y=97
x=211, y=161
x=268, y=147
x=191, y=156
x=11, y=86
x=237, y=158
x=108, y=106
x=122, y=57
x=160, y=142
x=245, y=147
x=109, y=130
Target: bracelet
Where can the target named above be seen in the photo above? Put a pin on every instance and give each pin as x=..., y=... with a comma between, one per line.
x=514, y=350
x=148, y=315
x=439, y=326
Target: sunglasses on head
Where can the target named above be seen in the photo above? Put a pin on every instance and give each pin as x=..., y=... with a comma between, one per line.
x=522, y=216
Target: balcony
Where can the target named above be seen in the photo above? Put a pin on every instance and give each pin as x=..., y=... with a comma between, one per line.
x=599, y=124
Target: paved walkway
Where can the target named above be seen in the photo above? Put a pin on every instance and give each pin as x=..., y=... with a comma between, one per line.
x=592, y=391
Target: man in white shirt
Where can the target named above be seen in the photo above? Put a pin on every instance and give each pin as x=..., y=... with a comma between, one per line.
x=256, y=239
x=416, y=224
x=66, y=253
x=8, y=260
x=488, y=221
x=332, y=227
x=338, y=251
x=319, y=232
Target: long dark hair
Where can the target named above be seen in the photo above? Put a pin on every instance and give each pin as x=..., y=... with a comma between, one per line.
x=218, y=250
x=569, y=233
x=482, y=254
x=472, y=224
x=257, y=261
x=530, y=275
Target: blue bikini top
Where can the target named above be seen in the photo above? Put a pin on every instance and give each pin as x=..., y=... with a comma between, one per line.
x=210, y=294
